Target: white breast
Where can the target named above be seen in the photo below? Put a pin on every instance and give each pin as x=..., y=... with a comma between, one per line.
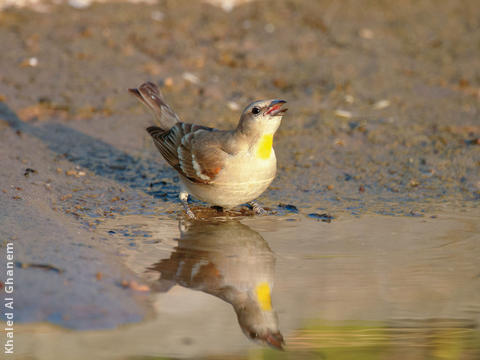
x=244, y=178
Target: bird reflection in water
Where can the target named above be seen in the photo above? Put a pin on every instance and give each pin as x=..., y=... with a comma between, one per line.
x=232, y=262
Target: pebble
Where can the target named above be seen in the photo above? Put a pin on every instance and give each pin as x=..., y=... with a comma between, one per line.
x=414, y=183
x=80, y=4
x=382, y=104
x=188, y=76
x=33, y=61
x=343, y=113
x=73, y=172
x=29, y=171
x=168, y=82
x=232, y=105
x=227, y=5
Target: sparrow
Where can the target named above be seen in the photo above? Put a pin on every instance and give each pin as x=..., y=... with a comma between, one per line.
x=224, y=168
x=240, y=272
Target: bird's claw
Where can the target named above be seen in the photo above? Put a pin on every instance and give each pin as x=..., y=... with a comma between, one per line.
x=257, y=209
x=184, y=199
x=190, y=213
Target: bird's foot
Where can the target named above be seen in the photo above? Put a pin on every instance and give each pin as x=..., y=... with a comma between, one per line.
x=257, y=209
x=189, y=212
x=184, y=199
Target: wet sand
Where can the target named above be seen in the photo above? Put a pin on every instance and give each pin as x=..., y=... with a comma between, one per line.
x=373, y=224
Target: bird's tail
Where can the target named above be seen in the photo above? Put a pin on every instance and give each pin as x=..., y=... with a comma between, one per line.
x=149, y=94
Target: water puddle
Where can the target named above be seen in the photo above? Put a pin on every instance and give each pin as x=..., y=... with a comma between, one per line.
x=374, y=287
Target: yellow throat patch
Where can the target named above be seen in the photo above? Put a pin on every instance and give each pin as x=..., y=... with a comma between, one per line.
x=263, y=296
x=265, y=147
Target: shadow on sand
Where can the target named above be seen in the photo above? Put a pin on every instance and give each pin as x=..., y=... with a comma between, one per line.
x=99, y=157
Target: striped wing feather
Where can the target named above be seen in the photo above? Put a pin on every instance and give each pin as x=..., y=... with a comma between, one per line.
x=185, y=149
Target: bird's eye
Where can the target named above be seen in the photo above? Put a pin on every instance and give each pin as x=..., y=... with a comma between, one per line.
x=253, y=335
x=255, y=110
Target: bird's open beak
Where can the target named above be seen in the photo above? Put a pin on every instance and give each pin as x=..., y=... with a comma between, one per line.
x=275, y=108
x=275, y=340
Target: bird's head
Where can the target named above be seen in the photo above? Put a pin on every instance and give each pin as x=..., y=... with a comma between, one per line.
x=258, y=320
x=262, y=117
x=259, y=325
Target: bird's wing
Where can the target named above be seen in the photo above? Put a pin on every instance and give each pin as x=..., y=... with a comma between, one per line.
x=149, y=94
x=193, y=150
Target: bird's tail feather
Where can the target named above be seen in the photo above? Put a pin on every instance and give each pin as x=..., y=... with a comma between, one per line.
x=149, y=94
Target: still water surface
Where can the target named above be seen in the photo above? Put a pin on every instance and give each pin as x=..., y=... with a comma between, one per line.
x=356, y=288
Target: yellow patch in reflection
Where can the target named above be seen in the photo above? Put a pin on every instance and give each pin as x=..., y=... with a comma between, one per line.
x=265, y=146
x=263, y=296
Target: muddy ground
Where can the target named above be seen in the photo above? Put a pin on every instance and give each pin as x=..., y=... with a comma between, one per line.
x=383, y=123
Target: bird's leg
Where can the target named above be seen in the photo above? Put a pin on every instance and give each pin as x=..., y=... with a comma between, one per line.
x=257, y=208
x=184, y=199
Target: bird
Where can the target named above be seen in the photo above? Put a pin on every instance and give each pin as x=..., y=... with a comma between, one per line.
x=224, y=168
x=240, y=272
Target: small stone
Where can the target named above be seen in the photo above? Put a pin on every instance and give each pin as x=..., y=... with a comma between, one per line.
x=79, y=4
x=188, y=76
x=232, y=105
x=33, y=61
x=29, y=171
x=343, y=113
x=138, y=287
x=30, y=62
x=382, y=104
